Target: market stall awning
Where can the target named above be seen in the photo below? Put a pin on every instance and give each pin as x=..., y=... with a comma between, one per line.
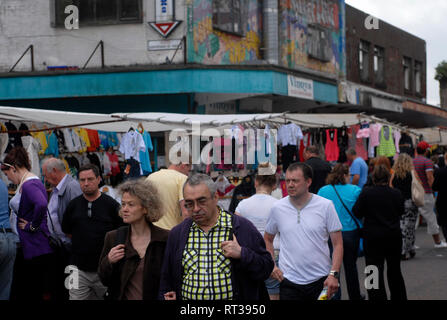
x=156, y=122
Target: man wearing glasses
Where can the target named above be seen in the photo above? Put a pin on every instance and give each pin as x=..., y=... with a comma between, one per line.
x=213, y=255
x=87, y=219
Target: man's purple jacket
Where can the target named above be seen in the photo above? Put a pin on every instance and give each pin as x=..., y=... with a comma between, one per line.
x=248, y=272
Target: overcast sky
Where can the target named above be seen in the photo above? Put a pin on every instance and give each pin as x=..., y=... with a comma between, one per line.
x=426, y=19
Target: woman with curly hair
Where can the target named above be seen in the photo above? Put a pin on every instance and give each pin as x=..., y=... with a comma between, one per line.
x=401, y=180
x=132, y=256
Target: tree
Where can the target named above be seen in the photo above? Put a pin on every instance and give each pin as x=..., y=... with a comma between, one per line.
x=441, y=71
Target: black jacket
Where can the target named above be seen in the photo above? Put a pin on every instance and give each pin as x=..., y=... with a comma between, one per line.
x=117, y=276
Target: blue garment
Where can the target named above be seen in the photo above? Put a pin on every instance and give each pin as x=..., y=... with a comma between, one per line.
x=8, y=248
x=4, y=207
x=145, y=160
x=349, y=193
x=53, y=146
x=359, y=167
x=112, y=138
x=104, y=139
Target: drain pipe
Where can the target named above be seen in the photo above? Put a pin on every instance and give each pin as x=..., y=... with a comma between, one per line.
x=271, y=43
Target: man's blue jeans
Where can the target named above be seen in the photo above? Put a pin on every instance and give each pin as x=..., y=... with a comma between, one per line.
x=8, y=249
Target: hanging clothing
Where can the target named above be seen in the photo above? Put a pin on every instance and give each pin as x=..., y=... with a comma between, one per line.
x=374, y=139
x=386, y=147
x=32, y=147
x=223, y=144
x=332, y=151
x=289, y=134
x=4, y=140
x=145, y=160
x=131, y=145
x=406, y=144
x=343, y=144
x=42, y=139
x=359, y=144
x=289, y=154
x=94, y=140
x=53, y=147
x=84, y=139
x=24, y=127
x=14, y=138
x=364, y=131
x=114, y=164
x=396, y=135
x=60, y=141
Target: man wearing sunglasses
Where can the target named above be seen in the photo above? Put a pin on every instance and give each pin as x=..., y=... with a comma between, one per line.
x=87, y=219
x=213, y=255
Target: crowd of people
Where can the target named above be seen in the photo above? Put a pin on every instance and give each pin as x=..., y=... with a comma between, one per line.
x=169, y=240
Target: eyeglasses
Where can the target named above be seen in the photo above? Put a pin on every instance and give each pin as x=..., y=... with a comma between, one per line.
x=6, y=166
x=89, y=207
x=190, y=204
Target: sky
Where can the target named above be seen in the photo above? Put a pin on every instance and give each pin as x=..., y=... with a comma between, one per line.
x=426, y=19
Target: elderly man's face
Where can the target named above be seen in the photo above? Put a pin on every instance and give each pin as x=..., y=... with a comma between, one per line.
x=201, y=204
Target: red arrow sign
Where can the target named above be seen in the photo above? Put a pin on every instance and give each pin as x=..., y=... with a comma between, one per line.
x=164, y=28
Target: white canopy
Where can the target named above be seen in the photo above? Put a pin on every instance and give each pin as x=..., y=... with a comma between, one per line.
x=156, y=122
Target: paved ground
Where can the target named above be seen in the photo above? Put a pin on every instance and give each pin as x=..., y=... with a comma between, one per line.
x=425, y=276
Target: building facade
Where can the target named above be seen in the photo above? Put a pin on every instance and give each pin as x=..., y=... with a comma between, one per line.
x=171, y=56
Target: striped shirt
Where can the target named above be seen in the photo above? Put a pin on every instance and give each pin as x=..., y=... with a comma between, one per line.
x=206, y=271
x=422, y=165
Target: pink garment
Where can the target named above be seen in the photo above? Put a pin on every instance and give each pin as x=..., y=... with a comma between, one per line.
x=363, y=133
x=358, y=144
x=374, y=130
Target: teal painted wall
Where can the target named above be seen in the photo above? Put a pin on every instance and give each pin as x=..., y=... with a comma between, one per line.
x=325, y=92
x=142, y=83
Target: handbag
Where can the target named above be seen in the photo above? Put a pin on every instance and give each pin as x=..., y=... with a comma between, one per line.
x=417, y=190
x=360, y=253
x=55, y=243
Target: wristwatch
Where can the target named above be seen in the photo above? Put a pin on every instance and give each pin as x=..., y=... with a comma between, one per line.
x=335, y=274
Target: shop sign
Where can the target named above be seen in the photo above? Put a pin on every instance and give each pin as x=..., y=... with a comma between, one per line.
x=300, y=88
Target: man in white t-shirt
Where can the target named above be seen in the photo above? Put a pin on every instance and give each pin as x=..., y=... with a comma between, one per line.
x=305, y=221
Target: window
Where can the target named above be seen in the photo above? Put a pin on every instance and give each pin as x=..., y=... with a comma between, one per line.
x=418, y=76
x=100, y=12
x=227, y=16
x=364, y=60
x=407, y=73
x=318, y=46
x=379, y=60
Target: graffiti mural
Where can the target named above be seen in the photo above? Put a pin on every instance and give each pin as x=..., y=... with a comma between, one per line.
x=311, y=34
x=208, y=45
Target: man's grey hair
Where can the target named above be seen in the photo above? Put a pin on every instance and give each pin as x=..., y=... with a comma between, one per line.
x=199, y=178
x=54, y=163
x=351, y=151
